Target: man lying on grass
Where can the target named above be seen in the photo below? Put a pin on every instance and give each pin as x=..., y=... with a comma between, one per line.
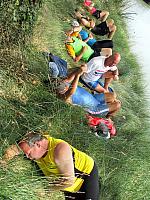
x=79, y=50
x=104, y=104
x=77, y=172
x=107, y=27
x=98, y=14
x=103, y=47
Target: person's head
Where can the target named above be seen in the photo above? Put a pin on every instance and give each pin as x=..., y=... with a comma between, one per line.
x=62, y=87
x=110, y=22
x=76, y=27
x=34, y=145
x=68, y=39
x=112, y=60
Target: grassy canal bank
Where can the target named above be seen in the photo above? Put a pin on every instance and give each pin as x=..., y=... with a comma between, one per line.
x=30, y=28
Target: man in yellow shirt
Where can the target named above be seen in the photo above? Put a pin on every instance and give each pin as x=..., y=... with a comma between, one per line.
x=77, y=173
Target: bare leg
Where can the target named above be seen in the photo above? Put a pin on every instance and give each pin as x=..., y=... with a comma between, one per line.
x=106, y=83
x=110, y=97
x=109, y=76
x=85, y=22
x=106, y=52
x=113, y=108
x=103, y=15
x=100, y=89
x=71, y=75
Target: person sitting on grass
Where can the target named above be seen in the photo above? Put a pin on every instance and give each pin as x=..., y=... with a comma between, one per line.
x=98, y=14
x=104, y=46
x=104, y=104
x=107, y=27
x=78, y=49
x=76, y=172
x=98, y=68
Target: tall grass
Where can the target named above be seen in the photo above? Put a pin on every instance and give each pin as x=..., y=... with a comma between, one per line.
x=34, y=27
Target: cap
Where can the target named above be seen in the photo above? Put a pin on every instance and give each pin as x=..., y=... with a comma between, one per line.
x=87, y=3
x=75, y=23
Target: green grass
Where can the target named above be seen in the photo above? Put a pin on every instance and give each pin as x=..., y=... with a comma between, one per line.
x=27, y=104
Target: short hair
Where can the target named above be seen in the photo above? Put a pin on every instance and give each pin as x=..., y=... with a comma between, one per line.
x=32, y=137
x=110, y=21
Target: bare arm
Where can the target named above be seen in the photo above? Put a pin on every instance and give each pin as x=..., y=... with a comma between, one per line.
x=78, y=58
x=10, y=153
x=106, y=52
x=64, y=161
x=87, y=39
x=111, y=34
x=71, y=75
x=79, y=36
x=72, y=88
x=74, y=77
x=103, y=15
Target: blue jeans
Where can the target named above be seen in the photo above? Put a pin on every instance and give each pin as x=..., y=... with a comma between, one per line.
x=57, y=67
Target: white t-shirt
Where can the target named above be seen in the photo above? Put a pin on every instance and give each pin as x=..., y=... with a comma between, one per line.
x=95, y=69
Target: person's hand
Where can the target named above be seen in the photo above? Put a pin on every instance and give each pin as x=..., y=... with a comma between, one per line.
x=80, y=72
x=3, y=164
x=90, y=35
x=92, y=23
x=76, y=59
x=84, y=68
x=106, y=90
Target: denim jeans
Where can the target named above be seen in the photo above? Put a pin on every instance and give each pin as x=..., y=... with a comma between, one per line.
x=57, y=67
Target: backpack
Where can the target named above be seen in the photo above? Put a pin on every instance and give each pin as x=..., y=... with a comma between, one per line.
x=101, y=127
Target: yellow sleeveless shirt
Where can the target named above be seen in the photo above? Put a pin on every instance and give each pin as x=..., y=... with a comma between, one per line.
x=83, y=164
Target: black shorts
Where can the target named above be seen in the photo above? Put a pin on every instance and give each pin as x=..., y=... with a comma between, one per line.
x=95, y=54
x=98, y=45
x=89, y=189
x=96, y=14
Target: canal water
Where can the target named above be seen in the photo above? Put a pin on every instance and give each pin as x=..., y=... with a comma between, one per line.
x=139, y=36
